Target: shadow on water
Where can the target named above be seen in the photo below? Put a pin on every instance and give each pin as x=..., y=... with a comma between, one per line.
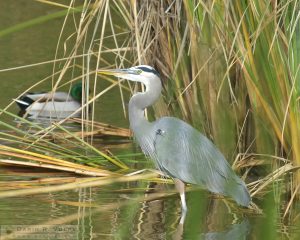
x=210, y=218
x=205, y=219
x=238, y=231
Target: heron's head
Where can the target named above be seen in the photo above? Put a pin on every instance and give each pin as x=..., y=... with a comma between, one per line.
x=142, y=73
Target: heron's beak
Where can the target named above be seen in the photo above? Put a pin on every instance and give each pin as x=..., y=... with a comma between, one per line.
x=122, y=73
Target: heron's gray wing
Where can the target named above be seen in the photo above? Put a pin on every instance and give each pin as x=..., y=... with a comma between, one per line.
x=184, y=153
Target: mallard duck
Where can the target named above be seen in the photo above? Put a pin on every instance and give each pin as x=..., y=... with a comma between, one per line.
x=51, y=104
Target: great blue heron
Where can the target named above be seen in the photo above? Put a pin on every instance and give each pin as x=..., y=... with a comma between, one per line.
x=177, y=148
x=52, y=104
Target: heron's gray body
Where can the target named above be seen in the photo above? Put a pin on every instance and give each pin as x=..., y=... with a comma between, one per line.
x=176, y=147
x=168, y=142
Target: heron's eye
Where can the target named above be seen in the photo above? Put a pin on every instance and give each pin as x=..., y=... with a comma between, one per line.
x=139, y=71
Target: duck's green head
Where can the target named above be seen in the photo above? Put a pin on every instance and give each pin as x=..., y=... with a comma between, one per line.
x=76, y=91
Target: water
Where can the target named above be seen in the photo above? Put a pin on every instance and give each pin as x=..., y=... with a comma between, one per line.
x=117, y=210
x=37, y=44
x=113, y=212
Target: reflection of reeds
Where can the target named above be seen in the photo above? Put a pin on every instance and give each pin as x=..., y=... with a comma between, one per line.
x=132, y=203
x=85, y=182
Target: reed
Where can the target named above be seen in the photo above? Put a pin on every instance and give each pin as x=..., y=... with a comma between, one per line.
x=230, y=68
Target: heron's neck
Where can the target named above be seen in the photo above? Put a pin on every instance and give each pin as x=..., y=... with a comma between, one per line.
x=140, y=101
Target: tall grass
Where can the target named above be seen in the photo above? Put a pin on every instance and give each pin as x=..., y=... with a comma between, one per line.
x=230, y=68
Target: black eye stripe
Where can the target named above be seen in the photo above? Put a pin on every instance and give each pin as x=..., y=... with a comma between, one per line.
x=145, y=69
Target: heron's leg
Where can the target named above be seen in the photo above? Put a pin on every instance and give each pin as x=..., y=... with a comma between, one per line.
x=181, y=189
